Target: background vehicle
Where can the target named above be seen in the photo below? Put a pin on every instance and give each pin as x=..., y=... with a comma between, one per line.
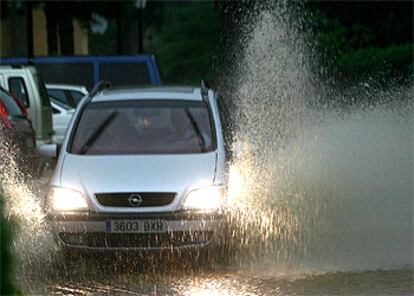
x=26, y=84
x=146, y=166
x=89, y=70
x=62, y=115
x=69, y=95
x=18, y=128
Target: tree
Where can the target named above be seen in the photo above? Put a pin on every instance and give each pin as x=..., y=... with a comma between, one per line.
x=187, y=43
x=358, y=40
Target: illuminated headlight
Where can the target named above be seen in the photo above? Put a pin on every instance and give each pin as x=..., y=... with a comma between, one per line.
x=63, y=199
x=208, y=198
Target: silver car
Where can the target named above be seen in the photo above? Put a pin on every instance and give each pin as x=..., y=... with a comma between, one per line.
x=140, y=168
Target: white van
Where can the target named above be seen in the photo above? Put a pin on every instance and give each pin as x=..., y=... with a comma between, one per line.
x=26, y=84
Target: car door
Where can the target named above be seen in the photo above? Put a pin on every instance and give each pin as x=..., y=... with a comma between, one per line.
x=22, y=128
x=2, y=84
x=45, y=108
x=18, y=85
x=61, y=119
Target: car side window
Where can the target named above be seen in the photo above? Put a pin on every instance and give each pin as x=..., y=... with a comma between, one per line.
x=55, y=111
x=77, y=96
x=58, y=94
x=18, y=87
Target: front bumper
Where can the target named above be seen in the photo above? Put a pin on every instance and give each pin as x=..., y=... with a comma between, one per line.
x=89, y=231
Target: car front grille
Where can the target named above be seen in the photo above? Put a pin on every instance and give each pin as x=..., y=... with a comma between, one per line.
x=147, y=240
x=148, y=199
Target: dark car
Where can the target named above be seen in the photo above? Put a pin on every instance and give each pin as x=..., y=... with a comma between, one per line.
x=18, y=130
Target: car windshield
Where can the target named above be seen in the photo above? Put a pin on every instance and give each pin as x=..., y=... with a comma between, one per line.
x=144, y=127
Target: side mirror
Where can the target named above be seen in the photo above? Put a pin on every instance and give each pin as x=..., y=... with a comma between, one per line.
x=49, y=150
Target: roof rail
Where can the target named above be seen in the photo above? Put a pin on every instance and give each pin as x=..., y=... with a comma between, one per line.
x=204, y=92
x=204, y=87
x=101, y=85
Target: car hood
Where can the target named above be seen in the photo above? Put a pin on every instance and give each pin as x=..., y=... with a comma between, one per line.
x=138, y=173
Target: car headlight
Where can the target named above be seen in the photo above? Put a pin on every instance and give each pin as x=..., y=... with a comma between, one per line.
x=207, y=198
x=63, y=199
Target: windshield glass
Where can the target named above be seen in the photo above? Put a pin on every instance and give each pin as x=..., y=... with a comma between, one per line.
x=144, y=127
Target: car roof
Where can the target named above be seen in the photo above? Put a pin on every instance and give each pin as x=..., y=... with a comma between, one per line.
x=59, y=105
x=65, y=86
x=141, y=93
x=5, y=67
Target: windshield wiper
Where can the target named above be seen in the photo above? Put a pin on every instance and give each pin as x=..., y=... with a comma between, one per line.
x=201, y=140
x=99, y=130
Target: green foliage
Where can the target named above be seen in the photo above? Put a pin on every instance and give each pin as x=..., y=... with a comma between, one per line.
x=331, y=35
x=353, y=47
x=187, y=43
x=6, y=286
x=369, y=23
x=392, y=60
x=354, y=39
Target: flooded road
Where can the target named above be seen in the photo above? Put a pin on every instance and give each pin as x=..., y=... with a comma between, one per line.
x=95, y=279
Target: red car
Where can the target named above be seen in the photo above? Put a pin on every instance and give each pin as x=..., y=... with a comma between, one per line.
x=17, y=128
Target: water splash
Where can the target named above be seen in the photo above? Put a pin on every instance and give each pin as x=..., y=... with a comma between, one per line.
x=32, y=241
x=21, y=202
x=312, y=186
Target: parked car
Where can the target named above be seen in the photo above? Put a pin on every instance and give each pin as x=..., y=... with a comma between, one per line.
x=140, y=168
x=26, y=84
x=62, y=115
x=67, y=94
x=17, y=128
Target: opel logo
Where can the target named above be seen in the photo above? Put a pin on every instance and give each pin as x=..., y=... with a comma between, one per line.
x=135, y=200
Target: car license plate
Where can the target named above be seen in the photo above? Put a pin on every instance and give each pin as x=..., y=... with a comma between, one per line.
x=136, y=226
